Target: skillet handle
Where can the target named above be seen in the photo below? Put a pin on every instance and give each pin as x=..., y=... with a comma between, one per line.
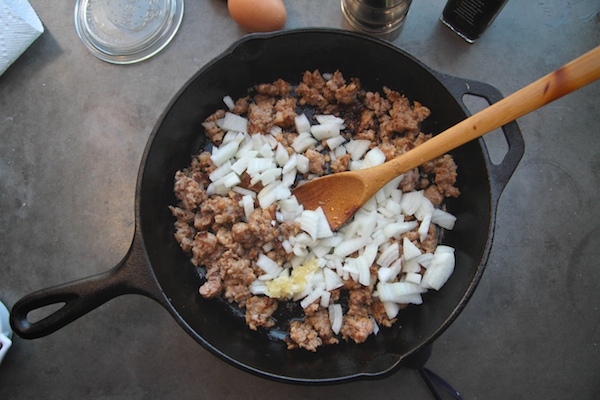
x=500, y=173
x=132, y=275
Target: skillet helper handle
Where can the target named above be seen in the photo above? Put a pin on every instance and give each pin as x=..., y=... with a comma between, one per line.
x=572, y=76
x=499, y=173
x=130, y=276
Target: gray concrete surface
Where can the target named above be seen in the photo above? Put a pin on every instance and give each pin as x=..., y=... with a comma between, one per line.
x=72, y=133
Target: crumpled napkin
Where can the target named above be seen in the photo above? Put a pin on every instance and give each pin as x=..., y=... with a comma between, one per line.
x=19, y=27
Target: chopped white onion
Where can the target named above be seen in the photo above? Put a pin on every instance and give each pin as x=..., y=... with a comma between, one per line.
x=440, y=268
x=302, y=123
x=424, y=227
x=373, y=158
x=357, y=148
x=229, y=102
x=303, y=142
x=443, y=219
x=325, y=131
x=302, y=164
x=234, y=122
x=389, y=255
x=411, y=202
x=335, y=317
x=335, y=142
x=268, y=265
x=224, y=153
x=281, y=155
x=409, y=249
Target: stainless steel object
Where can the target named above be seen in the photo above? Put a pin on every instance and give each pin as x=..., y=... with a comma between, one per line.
x=381, y=18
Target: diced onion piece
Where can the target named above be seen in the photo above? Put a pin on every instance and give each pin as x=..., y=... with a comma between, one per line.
x=370, y=253
x=335, y=142
x=220, y=172
x=333, y=240
x=325, y=131
x=386, y=274
x=332, y=280
x=350, y=246
x=389, y=255
x=303, y=142
x=443, y=219
x=258, y=287
x=357, y=148
x=230, y=180
x=375, y=325
x=411, y=202
x=302, y=123
x=325, y=297
x=391, y=309
x=230, y=137
x=309, y=223
x=224, y=153
x=281, y=155
x=229, y=102
x=287, y=246
x=268, y=195
x=409, y=249
x=244, y=191
x=335, y=317
x=339, y=151
x=398, y=228
x=234, y=122
x=411, y=266
x=270, y=175
x=266, y=151
x=311, y=298
x=425, y=209
x=268, y=265
x=424, y=259
x=392, y=186
x=440, y=268
x=329, y=119
x=373, y=158
x=258, y=165
x=324, y=230
x=290, y=165
x=393, y=206
x=355, y=165
x=424, y=227
x=400, y=292
x=248, y=204
x=364, y=273
x=413, y=277
x=270, y=139
x=302, y=164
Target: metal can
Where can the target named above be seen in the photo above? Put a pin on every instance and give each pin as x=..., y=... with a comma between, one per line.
x=381, y=18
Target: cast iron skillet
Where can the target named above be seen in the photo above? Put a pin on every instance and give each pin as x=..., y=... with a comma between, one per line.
x=156, y=267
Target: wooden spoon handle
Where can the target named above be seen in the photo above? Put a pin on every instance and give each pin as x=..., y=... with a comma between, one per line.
x=572, y=76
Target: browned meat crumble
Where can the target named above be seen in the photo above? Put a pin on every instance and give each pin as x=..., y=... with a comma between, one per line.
x=214, y=231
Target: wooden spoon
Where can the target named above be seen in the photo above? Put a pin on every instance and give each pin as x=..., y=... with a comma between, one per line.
x=341, y=195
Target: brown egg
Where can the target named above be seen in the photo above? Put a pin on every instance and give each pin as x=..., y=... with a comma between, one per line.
x=258, y=15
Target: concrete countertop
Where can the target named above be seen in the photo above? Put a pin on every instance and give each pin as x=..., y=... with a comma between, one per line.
x=72, y=133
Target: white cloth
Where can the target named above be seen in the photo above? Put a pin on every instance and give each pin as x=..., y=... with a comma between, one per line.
x=19, y=27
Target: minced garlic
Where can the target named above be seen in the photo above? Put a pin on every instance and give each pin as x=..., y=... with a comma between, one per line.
x=286, y=287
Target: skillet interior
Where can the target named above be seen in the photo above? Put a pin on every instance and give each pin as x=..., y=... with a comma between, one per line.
x=264, y=58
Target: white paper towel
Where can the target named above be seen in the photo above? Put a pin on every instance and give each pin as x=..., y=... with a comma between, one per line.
x=19, y=27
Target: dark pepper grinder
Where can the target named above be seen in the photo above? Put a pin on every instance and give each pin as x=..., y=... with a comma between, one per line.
x=470, y=18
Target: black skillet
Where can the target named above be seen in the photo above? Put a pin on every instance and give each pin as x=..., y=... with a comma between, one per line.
x=156, y=267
